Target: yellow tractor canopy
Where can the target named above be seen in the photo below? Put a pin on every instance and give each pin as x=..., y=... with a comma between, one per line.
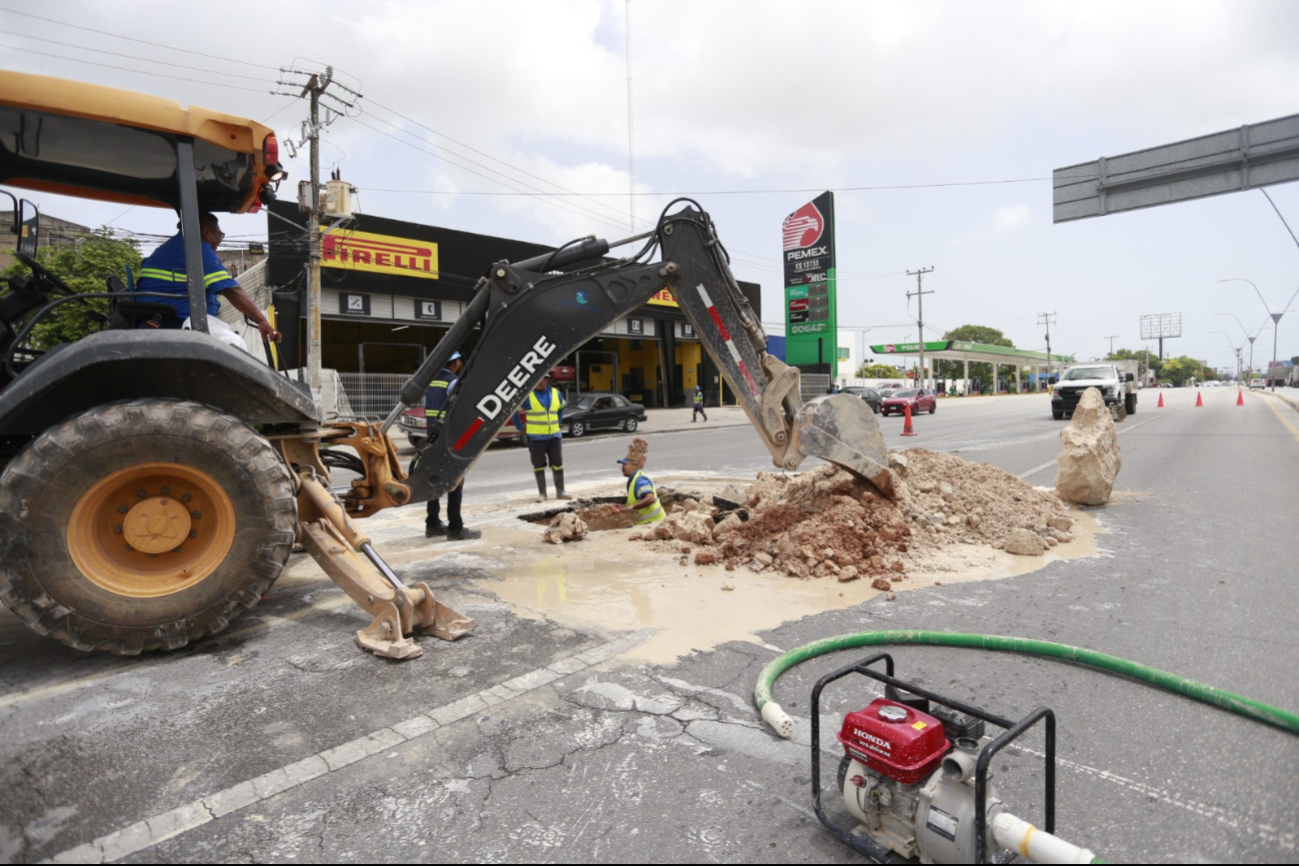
x=88, y=141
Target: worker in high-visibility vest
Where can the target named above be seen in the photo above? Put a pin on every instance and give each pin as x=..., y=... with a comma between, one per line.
x=435, y=401
x=539, y=419
x=699, y=405
x=641, y=494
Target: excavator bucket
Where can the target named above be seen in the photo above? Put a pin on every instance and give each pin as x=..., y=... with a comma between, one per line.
x=842, y=429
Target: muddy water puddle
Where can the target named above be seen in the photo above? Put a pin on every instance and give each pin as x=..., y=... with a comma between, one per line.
x=607, y=583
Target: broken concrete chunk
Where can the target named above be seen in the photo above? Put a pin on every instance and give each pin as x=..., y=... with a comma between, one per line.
x=1024, y=542
x=565, y=527
x=1090, y=460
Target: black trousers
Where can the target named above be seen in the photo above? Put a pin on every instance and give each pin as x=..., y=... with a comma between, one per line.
x=699, y=410
x=543, y=451
x=454, y=520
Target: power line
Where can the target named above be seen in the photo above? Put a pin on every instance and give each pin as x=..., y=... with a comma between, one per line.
x=98, y=32
x=143, y=59
x=738, y=192
x=136, y=71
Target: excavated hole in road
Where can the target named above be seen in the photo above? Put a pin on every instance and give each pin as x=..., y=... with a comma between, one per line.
x=598, y=512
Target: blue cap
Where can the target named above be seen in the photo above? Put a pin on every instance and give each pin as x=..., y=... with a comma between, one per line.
x=622, y=461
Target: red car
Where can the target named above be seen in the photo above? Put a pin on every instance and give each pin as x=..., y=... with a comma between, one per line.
x=919, y=401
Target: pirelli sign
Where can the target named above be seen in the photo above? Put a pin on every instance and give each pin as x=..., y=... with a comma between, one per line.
x=379, y=254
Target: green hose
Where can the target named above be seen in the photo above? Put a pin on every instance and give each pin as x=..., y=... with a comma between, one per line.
x=1278, y=718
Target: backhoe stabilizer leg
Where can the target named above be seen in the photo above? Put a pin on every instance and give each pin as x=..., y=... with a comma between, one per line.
x=346, y=555
x=841, y=429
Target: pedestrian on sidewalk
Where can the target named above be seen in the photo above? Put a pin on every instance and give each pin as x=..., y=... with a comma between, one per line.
x=435, y=401
x=539, y=421
x=699, y=405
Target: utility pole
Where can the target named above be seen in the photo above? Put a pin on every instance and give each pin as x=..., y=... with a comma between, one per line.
x=1112, y=338
x=1046, y=319
x=919, y=294
x=315, y=88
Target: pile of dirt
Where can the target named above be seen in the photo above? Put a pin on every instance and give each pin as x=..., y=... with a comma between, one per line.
x=828, y=523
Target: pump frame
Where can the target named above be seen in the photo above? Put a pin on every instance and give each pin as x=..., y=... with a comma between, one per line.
x=1011, y=731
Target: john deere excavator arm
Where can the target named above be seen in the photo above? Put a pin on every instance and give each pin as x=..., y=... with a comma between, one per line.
x=532, y=316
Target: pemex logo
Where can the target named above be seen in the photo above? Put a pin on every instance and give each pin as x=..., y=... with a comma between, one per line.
x=803, y=227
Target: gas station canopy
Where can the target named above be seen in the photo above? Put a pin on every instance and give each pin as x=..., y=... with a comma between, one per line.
x=963, y=350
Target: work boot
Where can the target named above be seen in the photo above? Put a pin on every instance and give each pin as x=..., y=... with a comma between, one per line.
x=431, y=530
x=464, y=533
x=541, y=485
x=559, y=485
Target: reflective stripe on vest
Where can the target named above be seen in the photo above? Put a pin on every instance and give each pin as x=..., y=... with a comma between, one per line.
x=437, y=414
x=543, y=421
x=651, y=513
x=179, y=276
x=699, y=399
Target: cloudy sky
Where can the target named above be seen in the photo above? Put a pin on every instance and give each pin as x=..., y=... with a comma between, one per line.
x=909, y=111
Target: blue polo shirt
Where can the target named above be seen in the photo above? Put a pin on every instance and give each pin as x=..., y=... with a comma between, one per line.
x=164, y=271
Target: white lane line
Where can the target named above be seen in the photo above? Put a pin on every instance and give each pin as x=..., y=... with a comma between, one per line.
x=1234, y=820
x=170, y=824
x=1048, y=464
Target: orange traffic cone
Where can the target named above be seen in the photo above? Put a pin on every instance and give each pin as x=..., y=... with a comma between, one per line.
x=1199, y=400
x=1240, y=398
x=1161, y=402
x=906, y=430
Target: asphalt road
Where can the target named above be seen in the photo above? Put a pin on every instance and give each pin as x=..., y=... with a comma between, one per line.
x=281, y=741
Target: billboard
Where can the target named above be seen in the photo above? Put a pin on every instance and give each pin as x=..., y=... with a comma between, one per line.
x=811, y=319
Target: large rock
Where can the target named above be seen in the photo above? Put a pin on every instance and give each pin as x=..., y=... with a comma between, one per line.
x=566, y=527
x=1090, y=460
x=692, y=526
x=1024, y=542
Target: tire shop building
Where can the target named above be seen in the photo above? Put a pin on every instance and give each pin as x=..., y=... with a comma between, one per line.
x=391, y=289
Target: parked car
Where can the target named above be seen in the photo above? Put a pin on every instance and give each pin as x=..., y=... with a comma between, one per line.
x=917, y=398
x=601, y=412
x=413, y=423
x=870, y=395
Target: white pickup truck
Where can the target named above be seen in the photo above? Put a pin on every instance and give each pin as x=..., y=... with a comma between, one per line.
x=1116, y=380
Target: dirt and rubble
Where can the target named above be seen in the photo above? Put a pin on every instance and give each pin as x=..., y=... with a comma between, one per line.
x=829, y=523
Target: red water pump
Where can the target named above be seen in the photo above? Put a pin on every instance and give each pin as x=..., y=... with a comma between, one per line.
x=914, y=775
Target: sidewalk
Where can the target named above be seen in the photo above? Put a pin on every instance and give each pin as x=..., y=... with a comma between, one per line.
x=677, y=420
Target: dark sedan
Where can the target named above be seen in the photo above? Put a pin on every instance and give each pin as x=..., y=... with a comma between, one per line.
x=601, y=412
x=870, y=395
x=918, y=399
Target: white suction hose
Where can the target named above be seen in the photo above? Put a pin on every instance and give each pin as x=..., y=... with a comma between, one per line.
x=1034, y=844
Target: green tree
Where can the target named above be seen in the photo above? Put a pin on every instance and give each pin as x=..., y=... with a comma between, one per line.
x=878, y=371
x=1149, y=363
x=83, y=266
x=1181, y=370
x=977, y=334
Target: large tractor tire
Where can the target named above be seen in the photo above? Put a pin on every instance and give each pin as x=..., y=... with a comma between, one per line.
x=142, y=525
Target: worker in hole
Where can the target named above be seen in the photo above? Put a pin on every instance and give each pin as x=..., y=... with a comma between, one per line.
x=641, y=493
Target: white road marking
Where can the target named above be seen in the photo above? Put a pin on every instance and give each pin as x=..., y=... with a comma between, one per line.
x=167, y=825
x=1048, y=464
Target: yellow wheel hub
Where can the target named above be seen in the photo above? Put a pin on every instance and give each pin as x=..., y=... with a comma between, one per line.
x=151, y=530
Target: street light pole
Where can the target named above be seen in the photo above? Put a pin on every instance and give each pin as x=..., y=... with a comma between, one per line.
x=1276, y=317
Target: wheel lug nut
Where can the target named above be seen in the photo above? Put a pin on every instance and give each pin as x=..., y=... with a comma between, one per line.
x=118, y=529
x=141, y=493
x=193, y=533
x=129, y=547
x=196, y=514
x=122, y=509
x=185, y=497
x=166, y=489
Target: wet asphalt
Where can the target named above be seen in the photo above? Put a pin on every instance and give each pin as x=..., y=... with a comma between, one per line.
x=279, y=741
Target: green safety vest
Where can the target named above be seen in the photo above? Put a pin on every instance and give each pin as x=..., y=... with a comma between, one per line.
x=542, y=421
x=699, y=398
x=651, y=513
